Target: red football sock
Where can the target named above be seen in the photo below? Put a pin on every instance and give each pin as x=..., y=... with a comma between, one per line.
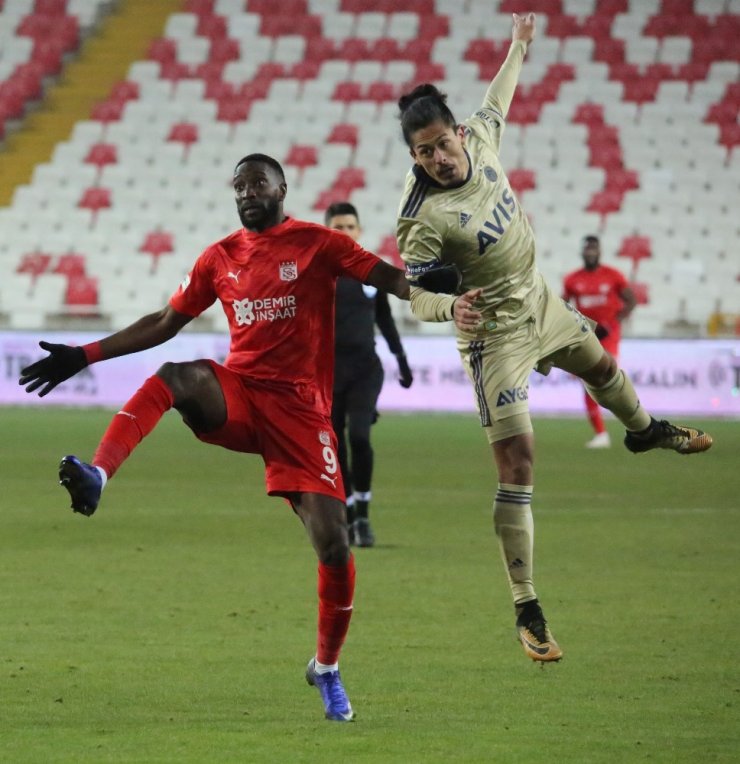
x=336, y=590
x=593, y=411
x=132, y=423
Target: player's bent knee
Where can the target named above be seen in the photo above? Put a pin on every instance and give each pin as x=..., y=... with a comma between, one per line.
x=602, y=373
x=186, y=379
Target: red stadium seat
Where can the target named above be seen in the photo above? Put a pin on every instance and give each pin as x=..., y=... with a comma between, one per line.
x=635, y=248
x=354, y=49
x=163, y=50
x=50, y=7
x=385, y=49
x=183, y=132
x=101, y=154
x=729, y=135
x=347, y=92
x=124, y=91
x=622, y=180
x=70, y=265
x=610, y=51
x=81, y=295
x=610, y=7
x=344, y=133
x=641, y=292
x=233, y=111
x=34, y=263
x=522, y=180
x=212, y=26
x=380, y=92
x=605, y=202
x=95, y=199
x=563, y=26
x=157, y=243
x=107, y=111
x=589, y=114
x=224, y=49
x=304, y=70
x=418, y=50
x=320, y=49
x=302, y=156
x=429, y=71
x=431, y=27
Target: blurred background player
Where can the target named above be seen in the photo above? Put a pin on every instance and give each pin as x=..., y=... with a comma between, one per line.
x=358, y=378
x=470, y=255
x=275, y=280
x=602, y=294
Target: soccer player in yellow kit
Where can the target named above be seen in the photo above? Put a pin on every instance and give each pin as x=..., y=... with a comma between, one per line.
x=470, y=256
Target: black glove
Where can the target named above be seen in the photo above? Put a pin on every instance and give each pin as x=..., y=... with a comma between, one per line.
x=404, y=370
x=62, y=363
x=443, y=279
x=601, y=331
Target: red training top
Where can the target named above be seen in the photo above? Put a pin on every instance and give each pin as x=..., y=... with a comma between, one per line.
x=277, y=290
x=596, y=294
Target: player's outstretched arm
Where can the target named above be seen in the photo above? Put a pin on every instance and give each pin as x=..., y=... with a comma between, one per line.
x=500, y=92
x=64, y=361
x=389, y=279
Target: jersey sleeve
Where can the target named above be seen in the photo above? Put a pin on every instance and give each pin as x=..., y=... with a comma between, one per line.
x=619, y=281
x=490, y=119
x=500, y=92
x=421, y=247
x=349, y=258
x=196, y=293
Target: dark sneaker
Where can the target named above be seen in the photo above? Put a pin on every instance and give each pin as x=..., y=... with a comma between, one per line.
x=534, y=635
x=83, y=483
x=663, y=434
x=363, y=533
x=336, y=702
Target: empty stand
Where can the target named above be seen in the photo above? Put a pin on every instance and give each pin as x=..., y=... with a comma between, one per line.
x=625, y=124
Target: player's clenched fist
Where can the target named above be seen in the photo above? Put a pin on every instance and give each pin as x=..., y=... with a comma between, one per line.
x=523, y=27
x=465, y=315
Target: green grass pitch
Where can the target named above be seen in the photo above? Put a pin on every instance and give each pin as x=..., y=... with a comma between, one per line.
x=175, y=624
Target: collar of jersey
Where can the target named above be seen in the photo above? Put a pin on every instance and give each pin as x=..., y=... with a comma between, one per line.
x=275, y=229
x=424, y=178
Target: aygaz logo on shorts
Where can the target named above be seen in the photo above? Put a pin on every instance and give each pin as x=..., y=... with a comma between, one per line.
x=512, y=395
x=248, y=312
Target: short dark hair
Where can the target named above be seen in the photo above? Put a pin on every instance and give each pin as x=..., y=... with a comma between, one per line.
x=422, y=106
x=590, y=239
x=340, y=208
x=268, y=160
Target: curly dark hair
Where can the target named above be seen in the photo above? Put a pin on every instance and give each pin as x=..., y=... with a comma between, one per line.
x=422, y=106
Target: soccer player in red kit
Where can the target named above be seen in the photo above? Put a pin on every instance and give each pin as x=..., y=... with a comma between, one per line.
x=275, y=279
x=602, y=294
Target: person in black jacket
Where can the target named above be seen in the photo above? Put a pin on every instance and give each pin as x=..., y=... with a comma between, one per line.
x=358, y=377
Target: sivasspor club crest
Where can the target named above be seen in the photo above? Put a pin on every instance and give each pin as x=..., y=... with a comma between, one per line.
x=288, y=270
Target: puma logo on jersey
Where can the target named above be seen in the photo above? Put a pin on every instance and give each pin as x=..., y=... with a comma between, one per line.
x=235, y=276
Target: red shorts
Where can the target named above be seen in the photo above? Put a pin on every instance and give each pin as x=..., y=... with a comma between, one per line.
x=296, y=442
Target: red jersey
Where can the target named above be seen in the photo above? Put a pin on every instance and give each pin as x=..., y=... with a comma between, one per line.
x=277, y=290
x=596, y=294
